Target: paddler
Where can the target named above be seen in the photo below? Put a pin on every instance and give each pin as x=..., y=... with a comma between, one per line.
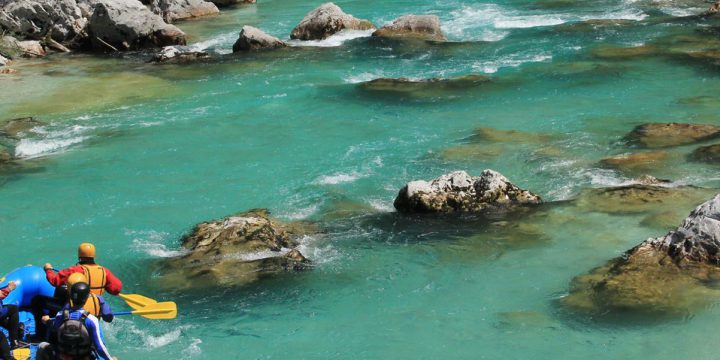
x=75, y=333
x=9, y=316
x=95, y=304
x=98, y=277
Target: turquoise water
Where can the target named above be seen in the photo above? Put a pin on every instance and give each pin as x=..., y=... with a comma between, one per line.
x=133, y=155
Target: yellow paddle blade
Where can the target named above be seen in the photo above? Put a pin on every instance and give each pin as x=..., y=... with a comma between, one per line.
x=158, y=311
x=21, y=354
x=136, y=301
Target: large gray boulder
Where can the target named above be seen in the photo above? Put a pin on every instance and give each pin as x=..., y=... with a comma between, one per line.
x=460, y=192
x=232, y=2
x=236, y=250
x=669, y=275
x=62, y=20
x=326, y=20
x=422, y=27
x=4, y=61
x=252, y=38
x=172, y=10
x=128, y=25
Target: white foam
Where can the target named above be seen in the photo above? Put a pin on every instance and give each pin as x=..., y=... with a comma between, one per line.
x=157, y=249
x=221, y=44
x=678, y=12
x=334, y=40
x=50, y=141
x=363, y=77
x=492, y=66
x=381, y=205
x=338, y=178
x=193, y=350
x=302, y=213
x=531, y=21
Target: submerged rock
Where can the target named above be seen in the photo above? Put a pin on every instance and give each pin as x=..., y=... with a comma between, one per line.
x=252, y=38
x=5, y=156
x=232, y=2
x=707, y=154
x=407, y=85
x=172, y=10
x=646, y=195
x=713, y=10
x=672, y=274
x=236, y=250
x=485, y=134
x=421, y=27
x=326, y=20
x=643, y=161
x=4, y=61
x=15, y=127
x=620, y=53
x=459, y=192
x=655, y=135
x=128, y=25
x=176, y=54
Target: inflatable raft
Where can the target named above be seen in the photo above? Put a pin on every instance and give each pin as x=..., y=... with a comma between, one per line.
x=31, y=282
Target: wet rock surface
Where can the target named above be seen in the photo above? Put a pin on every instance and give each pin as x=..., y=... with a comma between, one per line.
x=673, y=274
x=252, y=38
x=407, y=85
x=642, y=161
x=236, y=250
x=13, y=128
x=420, y=27
x=27, y=48
x=326, y=20
x=232, y=2
x=657, y=135
x=459, y=192
x=707, y=154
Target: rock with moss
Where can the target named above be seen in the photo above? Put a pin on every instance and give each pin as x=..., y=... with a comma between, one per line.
x=634, y=162
x=237, y=250
x=326, y=20
x=708, y=154
x=26, y=48
x=173, y=10
x=657, y=135
x=252, y=38
x=421, y=27
x=672, y=274
x=460, y=192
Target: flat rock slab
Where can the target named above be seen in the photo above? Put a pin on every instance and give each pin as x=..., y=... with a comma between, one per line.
x=419, y=27
x=657, y=135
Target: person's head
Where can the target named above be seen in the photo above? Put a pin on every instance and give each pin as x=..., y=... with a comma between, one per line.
x=86, y=253
x=75, y=278
x=79, y=293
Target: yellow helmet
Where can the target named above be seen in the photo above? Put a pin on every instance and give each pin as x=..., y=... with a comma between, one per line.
x=86, y=250
x=75, y=278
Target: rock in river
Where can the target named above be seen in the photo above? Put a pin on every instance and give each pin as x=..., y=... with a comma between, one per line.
x=673, y=274
x=232, y=2
x=178, y=54
x=252, y=38
x=326, y=20
x=708, y=154
x=33, y=19
x=459, y=192
x=128, y=25
x=5, y=156
x=15, y=127
x=655, y=135
x=236, y=250
x=641, y=161
x=422, y=27
x=407, y=85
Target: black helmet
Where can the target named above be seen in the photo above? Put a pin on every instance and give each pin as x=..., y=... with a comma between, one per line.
x=79, y=294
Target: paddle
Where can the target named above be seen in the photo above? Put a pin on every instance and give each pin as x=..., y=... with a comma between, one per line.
x=158, y=311
x=136, y=301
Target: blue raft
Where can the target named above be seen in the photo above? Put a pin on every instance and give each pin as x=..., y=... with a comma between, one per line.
x=31, y=282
